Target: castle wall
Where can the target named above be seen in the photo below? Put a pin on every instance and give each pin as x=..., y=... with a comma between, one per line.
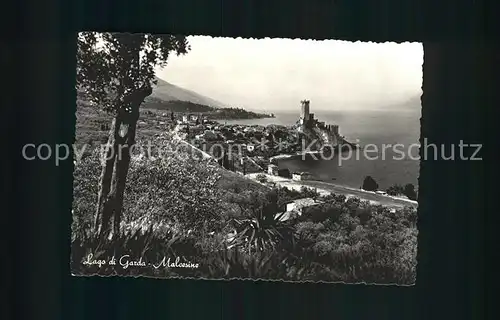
x=307, y=121
x=333, y=128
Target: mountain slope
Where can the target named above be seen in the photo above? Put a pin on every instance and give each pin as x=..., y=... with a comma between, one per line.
x=168, y=92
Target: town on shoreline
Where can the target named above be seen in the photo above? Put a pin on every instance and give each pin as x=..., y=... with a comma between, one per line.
x=254, y=151
x=257, y=148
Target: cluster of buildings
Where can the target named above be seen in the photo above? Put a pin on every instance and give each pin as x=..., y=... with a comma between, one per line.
x=201, y=131
x=192, y=119
x=250, y=138
x=253, y=143
x=273, y=170
x=213, y=131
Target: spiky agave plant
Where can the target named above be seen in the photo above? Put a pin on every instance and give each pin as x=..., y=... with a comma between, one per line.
x=263, y=230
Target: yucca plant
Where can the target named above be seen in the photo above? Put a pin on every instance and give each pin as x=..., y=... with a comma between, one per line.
x=263, y=229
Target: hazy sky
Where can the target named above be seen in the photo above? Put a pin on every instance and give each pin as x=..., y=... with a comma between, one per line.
x=275, y=74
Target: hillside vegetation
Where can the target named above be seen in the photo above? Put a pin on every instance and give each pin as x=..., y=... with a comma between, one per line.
x=183, y=207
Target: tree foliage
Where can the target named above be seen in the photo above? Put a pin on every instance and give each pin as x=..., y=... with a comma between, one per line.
x=410, y=192
x=395, y=190
x=111, y=66
x=370, y=184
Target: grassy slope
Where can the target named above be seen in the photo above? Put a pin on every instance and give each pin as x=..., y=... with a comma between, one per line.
x=230, y=179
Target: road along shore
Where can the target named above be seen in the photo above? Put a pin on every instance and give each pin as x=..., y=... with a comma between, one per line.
x=326, y=188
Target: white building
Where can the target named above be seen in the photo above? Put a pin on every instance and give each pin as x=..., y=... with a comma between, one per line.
x=301, y=176
x=272, y=169
x=299, y=205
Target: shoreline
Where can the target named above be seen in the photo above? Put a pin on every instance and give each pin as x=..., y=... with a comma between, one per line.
x=221, y=120
x=288, y=156
x=326, y=188
x=322, y=187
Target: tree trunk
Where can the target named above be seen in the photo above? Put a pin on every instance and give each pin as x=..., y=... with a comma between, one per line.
x=115, y=168
x=122, y=166
x=101, y=221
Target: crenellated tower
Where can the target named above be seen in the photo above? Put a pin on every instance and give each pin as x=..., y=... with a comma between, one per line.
x=304, y=109
x=304, y=113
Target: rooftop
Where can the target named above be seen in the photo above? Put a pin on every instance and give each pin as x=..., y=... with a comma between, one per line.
x=304, y=202
x=302, y=173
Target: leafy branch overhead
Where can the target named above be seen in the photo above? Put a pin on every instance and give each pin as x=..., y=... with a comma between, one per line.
x=114, y=68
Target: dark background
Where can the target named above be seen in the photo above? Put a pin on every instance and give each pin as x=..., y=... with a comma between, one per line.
x=456, y=198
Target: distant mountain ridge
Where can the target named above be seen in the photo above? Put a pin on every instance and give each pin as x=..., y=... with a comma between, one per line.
x=166, y=91
x=412, y=103
x=172, y=98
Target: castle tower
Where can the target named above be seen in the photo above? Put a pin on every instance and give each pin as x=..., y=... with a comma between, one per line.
x=304, y=114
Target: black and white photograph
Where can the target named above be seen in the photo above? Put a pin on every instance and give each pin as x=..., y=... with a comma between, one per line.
x=259, y=159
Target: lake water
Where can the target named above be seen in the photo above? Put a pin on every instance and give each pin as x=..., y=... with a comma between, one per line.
x=377, y=128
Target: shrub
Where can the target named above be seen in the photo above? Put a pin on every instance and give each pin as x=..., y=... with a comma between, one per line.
x=322, y=212
x=262, y=178
x=286, y=195
x=308, y=232
x=309, y=192
x=340, y=198
x=395, y=190
x=370, y=184
x=410, y=192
